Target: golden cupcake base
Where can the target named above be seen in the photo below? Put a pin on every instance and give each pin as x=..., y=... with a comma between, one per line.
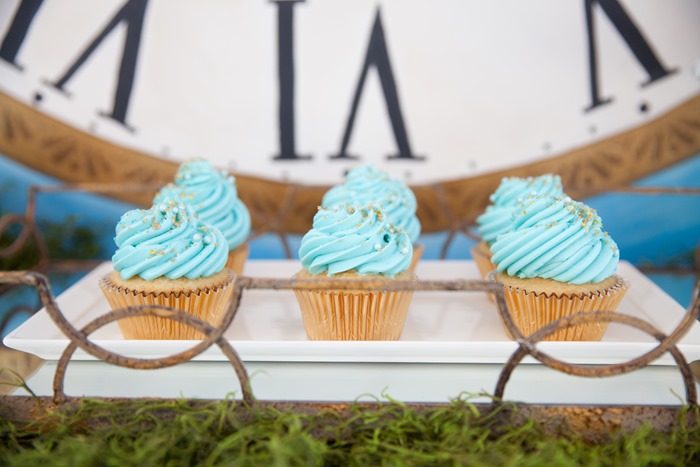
x=532, y=310
x=208, y=304
x=418, y=250
x=352, y=315
x=481, y=254
x=237, y=258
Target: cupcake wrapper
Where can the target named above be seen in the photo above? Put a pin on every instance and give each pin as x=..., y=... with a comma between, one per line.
x=531, y=311
x=353, y=315
x=237, y=258
x=481, y=253
x=418, y=250
x=208, y=305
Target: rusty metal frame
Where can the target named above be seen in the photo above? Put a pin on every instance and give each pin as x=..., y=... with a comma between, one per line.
x=21, y=406
x=214, y=335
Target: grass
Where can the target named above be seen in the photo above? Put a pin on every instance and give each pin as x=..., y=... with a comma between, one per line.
x=118, y=433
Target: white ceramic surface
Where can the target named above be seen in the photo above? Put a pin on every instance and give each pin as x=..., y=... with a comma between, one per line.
x=442, y=327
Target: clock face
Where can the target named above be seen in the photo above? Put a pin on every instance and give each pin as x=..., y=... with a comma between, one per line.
x=298, y=92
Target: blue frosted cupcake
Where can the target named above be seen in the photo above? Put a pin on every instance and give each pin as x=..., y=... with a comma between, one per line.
x=367, y=184
x=214, y=196
x=167, y=256
x=556, y=261
x=348, y=243
x=498, y=216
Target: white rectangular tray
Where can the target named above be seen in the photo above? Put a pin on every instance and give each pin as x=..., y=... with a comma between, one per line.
x=442, y=327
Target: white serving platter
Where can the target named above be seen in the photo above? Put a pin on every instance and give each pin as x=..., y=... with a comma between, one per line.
x=442, y=327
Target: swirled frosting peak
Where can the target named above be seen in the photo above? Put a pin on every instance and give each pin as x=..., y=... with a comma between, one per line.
x=366, y=183
x=556, y=238
x=168, y=240
x=213, y=195
x=498, y=217
x=355, y=237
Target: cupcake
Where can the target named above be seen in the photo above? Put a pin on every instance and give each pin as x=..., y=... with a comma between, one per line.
x=365, y=184
x=498, y=216
x=351, y=243
x=555, y=262
x=214, y=197
x=167, y=256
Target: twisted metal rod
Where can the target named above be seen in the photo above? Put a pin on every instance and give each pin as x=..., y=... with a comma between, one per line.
x=666, y=344
x=80, y=338
x=138, y=363
x=526, y=345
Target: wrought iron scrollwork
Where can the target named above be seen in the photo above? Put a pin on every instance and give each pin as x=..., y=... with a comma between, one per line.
x=214, y=335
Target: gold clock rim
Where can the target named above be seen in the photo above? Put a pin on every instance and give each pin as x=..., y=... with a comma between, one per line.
x=57, y=149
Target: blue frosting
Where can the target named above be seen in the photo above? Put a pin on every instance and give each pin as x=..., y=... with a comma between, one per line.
x=365, y=183
x=498, y=217
x=556, y=238
x=168, y=240
x=355, y=237
x=214, y=196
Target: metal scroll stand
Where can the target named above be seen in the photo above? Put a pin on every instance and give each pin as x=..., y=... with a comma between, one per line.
x=22, y=407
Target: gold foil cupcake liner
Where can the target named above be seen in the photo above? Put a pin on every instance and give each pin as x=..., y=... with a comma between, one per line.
x=208, y=305
x=418, y=250
x=237, y=258
x=332, y=314
x=533, y=310
x=481, y=253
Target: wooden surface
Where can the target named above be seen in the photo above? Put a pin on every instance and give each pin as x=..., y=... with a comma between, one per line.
x=53, y=147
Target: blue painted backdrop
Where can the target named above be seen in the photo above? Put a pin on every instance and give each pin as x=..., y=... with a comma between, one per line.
x=649, y=229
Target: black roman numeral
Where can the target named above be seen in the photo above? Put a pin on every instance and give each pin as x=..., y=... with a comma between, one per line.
x=18, y=30
x=132, y=13
x=378, y=56
x=285, y=64
x=634, y=39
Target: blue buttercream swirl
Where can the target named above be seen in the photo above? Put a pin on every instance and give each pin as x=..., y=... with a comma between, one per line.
x=556, y=238
x=355, y=237
x=214, y=196
x=498, y=216
x=366, y=183
x=168, y=240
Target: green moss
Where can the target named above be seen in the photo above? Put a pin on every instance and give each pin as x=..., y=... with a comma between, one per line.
x=71, y=240
x=26, y=258
x=64, y=240
x=225, y=433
